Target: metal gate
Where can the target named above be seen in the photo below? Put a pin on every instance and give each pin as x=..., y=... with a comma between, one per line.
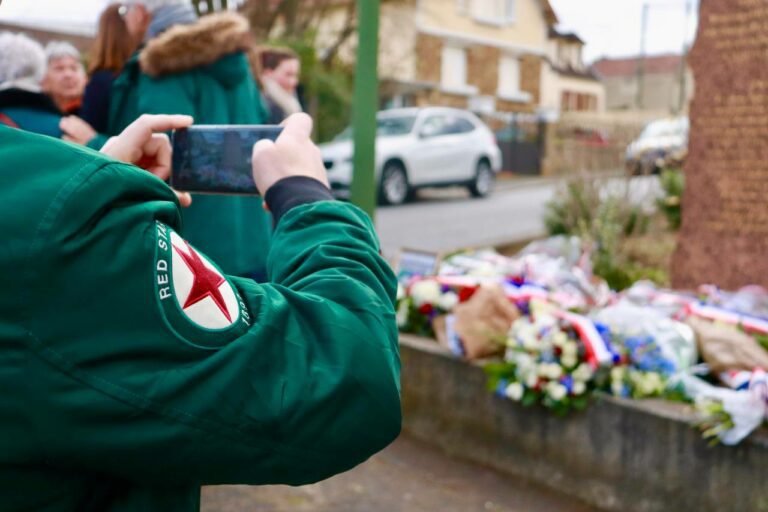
x=522, y=144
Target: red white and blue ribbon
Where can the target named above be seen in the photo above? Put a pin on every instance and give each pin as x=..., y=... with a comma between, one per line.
x=599, y=351
x=751, y=324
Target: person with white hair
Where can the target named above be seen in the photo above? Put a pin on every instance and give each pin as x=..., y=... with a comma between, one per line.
x=65, y=78
x=199, y=68
x=22, y=101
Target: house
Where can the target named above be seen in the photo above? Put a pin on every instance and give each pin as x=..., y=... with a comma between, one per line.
x=662, y=78
x=486, y=55
x=569, y=85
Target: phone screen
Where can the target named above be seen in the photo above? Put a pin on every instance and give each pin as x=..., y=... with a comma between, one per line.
x=216, y=159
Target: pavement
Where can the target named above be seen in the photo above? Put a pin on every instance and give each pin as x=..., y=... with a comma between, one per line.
x=444, y=220
x=408, y=476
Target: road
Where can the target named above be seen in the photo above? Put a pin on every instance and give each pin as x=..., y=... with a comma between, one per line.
x=408, y=476
x=445, y=220
x=442, y=220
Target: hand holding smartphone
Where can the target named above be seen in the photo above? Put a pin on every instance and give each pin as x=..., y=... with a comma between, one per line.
x=216, y=159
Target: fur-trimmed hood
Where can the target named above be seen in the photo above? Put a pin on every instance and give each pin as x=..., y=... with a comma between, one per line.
x=185, y=47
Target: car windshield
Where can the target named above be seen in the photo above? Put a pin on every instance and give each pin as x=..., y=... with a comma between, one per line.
x=665, y=128
x=388, y=126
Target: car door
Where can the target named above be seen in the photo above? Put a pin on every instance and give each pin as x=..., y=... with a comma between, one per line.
x=469, y=146
x=433, y=157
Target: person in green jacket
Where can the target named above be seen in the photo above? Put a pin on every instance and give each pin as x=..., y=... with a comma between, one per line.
x=133, y=370
x=202, y=70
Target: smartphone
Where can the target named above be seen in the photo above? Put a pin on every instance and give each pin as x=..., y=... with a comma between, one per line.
x=216, y=159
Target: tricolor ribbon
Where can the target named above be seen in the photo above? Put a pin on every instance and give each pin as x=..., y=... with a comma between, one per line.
x=599, y=351
x=751, y=324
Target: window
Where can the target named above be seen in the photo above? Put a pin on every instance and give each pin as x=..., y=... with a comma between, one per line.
x=509, y=76
x=454, y=68
x=462, y=125
x=434, y=126
x=495, y=12
x=389, y=126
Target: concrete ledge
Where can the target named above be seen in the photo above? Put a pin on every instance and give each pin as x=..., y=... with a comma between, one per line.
x=619, y=455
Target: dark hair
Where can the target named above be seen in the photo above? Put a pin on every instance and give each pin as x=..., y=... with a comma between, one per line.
x=270, y=57
x=114, y=43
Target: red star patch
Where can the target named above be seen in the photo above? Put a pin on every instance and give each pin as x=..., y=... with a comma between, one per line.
x=206, y=282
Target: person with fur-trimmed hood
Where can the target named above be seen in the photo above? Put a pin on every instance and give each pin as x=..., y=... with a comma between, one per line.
x=200, y=68
x=22, y=101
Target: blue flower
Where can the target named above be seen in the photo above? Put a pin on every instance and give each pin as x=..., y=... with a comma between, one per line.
x=567, y=381
x=501, y=388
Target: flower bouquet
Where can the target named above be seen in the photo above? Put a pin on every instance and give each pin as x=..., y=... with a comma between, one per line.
x=545, y=362
x=643, y=372
x=420, y=303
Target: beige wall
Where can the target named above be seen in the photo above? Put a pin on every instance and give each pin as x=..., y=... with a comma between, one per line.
x=397, y=40
x=553, y=85
x=661, y=91
x=529, y=31
x=482, y=74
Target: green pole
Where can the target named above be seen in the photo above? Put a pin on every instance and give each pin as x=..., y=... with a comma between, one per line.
x=364, y=106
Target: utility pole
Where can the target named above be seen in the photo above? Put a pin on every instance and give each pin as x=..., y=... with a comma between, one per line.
x=364, y=106
x=641, y=60
x=684, y=60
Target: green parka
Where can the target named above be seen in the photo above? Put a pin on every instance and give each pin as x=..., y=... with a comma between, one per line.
x=133, y=371
x=202, y=70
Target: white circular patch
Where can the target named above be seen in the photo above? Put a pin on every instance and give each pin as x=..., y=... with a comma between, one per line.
x=203, y=293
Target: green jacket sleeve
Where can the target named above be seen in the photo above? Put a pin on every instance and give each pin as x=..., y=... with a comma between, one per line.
x=97, y=142
x=145, y=373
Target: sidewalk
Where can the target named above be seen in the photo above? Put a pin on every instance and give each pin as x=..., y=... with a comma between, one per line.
x=507, y=180
x=406, y=477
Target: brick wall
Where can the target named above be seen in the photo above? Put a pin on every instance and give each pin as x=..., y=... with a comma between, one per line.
x=514, y=106
x=483, y=68
x=482, y=72
x=428, y=58
x=530, y=76
x=436, y=97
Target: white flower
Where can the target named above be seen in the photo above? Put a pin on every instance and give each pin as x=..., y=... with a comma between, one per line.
x=649, y=384
x=555, y=371
x=400, y=292
x=531, y=380
x=530, y=342
x=570, y=348
x=524, y=362
x=618, y=373
x=579, y=388
x=559, y=339
x=448, y=301
x=425, y=292
x=583, y=373
x=402, y=314
x=514, y=391
x=617, y=387
x=551, y=371
x=569, y=360
x=556, y=391
x=545, y=320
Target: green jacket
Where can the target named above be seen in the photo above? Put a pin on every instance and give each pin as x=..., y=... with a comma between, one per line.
x=201, y=70
x=31, y=111
x=132, y=372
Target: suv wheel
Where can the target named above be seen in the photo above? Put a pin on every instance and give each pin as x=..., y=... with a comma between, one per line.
x=484, y=180
x=393, y=187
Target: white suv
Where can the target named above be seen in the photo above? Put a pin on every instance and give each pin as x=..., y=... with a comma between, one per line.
x=420, y=147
